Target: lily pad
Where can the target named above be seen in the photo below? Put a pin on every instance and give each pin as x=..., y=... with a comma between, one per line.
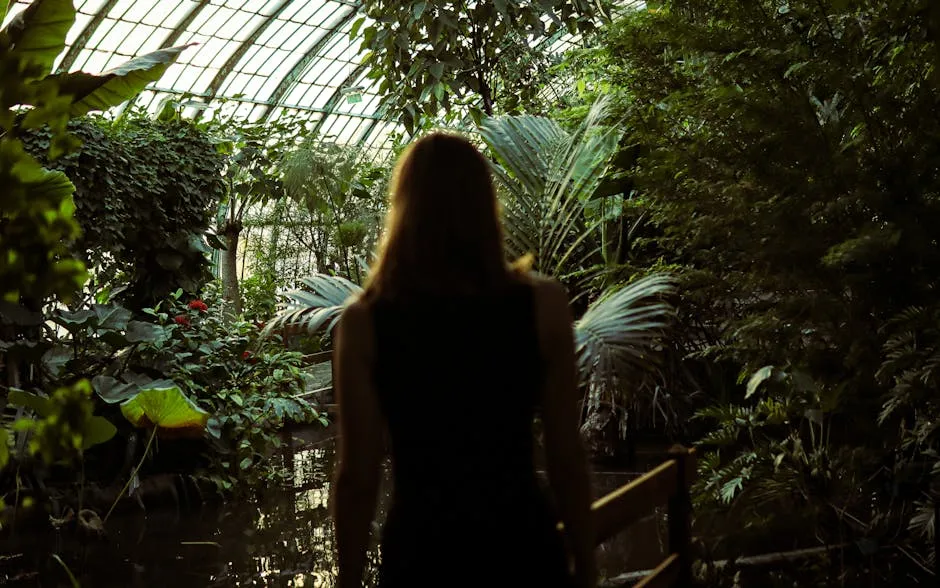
x=165, y=408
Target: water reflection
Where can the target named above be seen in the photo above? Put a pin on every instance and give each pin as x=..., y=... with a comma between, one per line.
x=284, y=537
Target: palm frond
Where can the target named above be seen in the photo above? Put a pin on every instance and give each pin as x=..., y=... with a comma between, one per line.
x=616, y=337
x=317, y=307
x=550, y=176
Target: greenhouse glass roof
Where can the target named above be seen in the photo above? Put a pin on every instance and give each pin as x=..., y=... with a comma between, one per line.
x=262, y=59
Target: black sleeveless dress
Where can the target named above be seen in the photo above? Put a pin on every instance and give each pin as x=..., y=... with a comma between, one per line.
x=458, y=380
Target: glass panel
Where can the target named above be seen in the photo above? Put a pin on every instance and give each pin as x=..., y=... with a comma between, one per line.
x=210, y=51
x=259, y=61
x=89, y=6
x=131, y=11
x=168, y=14
x=81, y=21
x=117, y=33
x=96, y=62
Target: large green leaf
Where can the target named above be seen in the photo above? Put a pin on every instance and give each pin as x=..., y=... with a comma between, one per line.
x=116, y=86
x=758, y=378
x=112, y=390
x=56, y=358
x=141, y=332
x=4, y=448
x=111, y=316
x=4, y=6
x=164, y=408
x=41, y=405
x=37, y=35
x=98, y=430
x=43, y=185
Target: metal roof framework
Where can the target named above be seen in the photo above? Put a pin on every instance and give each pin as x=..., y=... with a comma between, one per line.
x=257, y=59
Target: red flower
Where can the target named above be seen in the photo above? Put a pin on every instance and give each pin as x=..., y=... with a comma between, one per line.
x=182, y=320
x=249, y=357
x=198, y=305
x=246, y=355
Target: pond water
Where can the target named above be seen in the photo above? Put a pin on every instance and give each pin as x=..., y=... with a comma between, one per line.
x=284, y=538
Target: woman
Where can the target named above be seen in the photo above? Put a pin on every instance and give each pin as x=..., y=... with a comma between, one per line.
x=452, y=353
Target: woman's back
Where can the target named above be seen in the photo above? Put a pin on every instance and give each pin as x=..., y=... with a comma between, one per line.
x=458, y=380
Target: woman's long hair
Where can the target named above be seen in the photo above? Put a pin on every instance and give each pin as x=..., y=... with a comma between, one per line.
x=442, y=231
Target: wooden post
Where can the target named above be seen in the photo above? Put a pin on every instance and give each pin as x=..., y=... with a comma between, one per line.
x=680, y=517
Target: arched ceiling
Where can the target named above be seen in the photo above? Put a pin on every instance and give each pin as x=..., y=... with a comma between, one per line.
x=261, y=58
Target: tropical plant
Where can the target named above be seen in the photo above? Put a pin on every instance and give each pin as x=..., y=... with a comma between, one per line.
x=551, y=176
x=784, y=153
x=432, y=56
x=161, y=408
x=36, y=208
x=341, y=190
x=317, y=307
x=251, y=388
x=619, y=339
x=251, y=179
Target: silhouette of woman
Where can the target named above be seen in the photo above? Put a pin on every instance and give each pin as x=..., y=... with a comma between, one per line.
x=452, y=352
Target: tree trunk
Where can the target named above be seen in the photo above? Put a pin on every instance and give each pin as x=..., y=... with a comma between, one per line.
x=229, y=268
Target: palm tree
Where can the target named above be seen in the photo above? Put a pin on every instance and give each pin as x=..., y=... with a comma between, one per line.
x=549, y=178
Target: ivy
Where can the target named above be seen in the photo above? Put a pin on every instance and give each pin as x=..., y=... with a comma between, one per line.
x=144, y=192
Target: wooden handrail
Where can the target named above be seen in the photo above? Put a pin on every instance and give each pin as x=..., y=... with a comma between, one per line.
x=666, y=484
x=666, y=574
x=316, y=392
x=634, y=501
x=320, y=357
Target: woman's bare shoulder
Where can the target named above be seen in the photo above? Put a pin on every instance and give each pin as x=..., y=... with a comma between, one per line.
x=550, y=294
x=355, y=324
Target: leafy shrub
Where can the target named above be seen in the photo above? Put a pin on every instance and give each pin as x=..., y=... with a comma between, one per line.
x=144, y=192
x=247, y=385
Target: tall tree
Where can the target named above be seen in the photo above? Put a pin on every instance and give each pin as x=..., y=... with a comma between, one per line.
x=433, y=56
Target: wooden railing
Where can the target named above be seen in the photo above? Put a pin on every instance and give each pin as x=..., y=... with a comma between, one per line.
x=323, y=396
x=666, y=485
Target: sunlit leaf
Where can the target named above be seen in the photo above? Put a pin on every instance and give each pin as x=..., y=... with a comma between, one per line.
x=166, y=408
x=4, y=448
x=759, y=377
x=37, y=34
x=317, y=307
x=116, y=86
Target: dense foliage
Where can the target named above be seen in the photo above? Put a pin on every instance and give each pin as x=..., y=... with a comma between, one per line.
x=433, y=56
x=70, y=349
x=144, y=190
x=36, y=210
x=785, y=155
